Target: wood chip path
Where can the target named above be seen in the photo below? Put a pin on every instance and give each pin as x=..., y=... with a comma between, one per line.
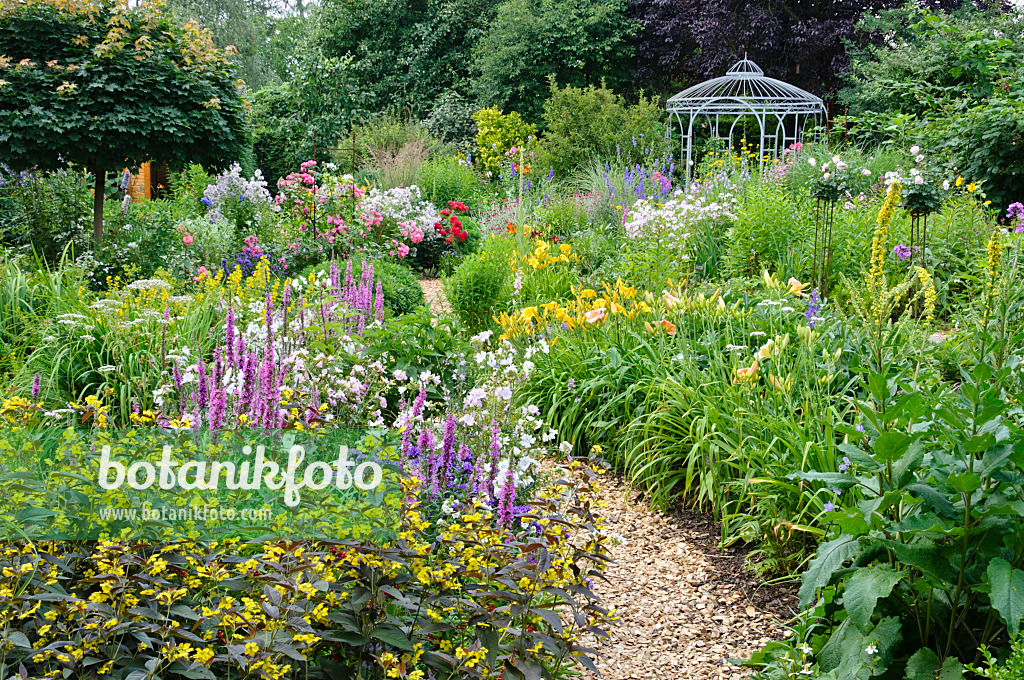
x=684, y=606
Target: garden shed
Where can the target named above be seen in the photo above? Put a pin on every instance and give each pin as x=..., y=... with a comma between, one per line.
x=744, y=104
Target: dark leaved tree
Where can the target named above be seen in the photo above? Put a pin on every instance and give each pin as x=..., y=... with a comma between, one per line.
x=105, y=86
x=804, y=42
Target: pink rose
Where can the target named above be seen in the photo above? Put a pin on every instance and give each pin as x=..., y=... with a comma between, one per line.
x=187, y=239
x=403, y=250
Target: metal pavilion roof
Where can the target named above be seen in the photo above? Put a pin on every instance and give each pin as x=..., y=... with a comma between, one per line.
x=743, y=89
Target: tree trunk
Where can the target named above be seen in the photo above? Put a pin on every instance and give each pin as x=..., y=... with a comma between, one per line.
x=97, y=205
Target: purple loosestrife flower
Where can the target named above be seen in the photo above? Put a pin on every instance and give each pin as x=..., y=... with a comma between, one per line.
x=425, y=444
x=418, y=403
x=495, y=452
x=176, y=375
x=218, y=399
x=378, y=304
x=35, y=386
x=248, y=384
x=508, y=498
x=229, y=336
x=447, y=448
x=202, y=386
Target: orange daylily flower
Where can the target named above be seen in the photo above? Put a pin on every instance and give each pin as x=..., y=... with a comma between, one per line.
x=669, y=327
x=745, y=375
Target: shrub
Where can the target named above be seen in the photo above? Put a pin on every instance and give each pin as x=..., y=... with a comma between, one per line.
x=497, y=133
x=44, y=211
x=402, y=292
x=1011, y=669
x=449, y=179
x=586, y=123
x=451, y=120
x=481, y=284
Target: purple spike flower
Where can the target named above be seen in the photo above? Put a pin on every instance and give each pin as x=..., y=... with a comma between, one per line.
x=176, y=374
x=418, y=403
x=508, y=497
x=495, y=452
x=35, y=386
x=229, y=336
x=202, y=386
x=378, y=303
x=447, y=449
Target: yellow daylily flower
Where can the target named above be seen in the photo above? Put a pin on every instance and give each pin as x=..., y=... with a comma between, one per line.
x=796, y=288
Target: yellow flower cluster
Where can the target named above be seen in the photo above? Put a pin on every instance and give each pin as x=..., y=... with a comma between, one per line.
x=928, y=290
x=876, y=275
x=588, y=309
x=994, y=255
x=543, y=256
x=236, y=288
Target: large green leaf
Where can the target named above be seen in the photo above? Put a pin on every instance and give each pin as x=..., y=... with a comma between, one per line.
x=924, y=665
x=829, y=558
x=1007, y=592
x=865, y=588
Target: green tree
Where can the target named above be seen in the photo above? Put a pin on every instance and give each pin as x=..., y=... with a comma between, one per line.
x=932, y=58
x=579, y=42
x=405, y=52
x=102, y=85
x=953, y=82
x=232, y=22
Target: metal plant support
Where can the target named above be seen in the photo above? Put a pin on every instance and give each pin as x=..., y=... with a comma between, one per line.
x=783, y=112
x=824, y=216
x=918, y=236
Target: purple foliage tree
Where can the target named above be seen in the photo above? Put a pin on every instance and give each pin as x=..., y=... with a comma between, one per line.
x=803, y=42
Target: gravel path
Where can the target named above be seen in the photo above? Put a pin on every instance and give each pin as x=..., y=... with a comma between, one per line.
x=434, y=294
x=684, y=606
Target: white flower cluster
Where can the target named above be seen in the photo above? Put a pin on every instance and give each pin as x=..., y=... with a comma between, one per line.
x=674, y=219
x=405, y=205
x=232, y=189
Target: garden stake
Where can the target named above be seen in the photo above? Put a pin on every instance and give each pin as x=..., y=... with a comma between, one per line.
x=919, y=233
x=824, y=216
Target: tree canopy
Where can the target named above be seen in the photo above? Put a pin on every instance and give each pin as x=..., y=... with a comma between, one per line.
x=803, y=42
x=405, y=53
x=579, y=42
x=96, y=83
